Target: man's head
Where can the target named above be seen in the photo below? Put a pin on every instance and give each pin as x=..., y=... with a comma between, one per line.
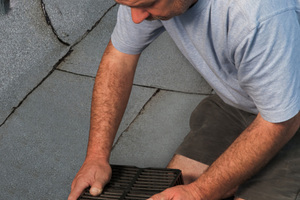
x=156, y=9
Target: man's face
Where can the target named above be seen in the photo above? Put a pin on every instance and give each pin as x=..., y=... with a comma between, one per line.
x=156, y=9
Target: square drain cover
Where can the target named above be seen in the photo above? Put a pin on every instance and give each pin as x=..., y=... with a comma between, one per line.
x=132, y=183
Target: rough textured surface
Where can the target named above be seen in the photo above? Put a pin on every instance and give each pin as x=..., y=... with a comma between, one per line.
x=72, y=18
x=28, y=52
x=138, y=99
x=86, y=56
x=156, y=133
x=40, y=143
x=43, y=145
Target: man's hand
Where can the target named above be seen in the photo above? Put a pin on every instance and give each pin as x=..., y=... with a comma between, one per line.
x=181, y=192
x=95, y=173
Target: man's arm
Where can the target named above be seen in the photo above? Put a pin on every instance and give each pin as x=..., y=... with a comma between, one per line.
x=247, y=155
x=111, y=92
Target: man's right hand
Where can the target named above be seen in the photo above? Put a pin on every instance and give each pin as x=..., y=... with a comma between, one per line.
x=95, y=173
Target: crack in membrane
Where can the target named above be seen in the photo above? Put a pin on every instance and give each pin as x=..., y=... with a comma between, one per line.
x=95, y=25
x=48, y=20
x=136, y=117
x=40, y=83
x=178, y=91
x=50, y=23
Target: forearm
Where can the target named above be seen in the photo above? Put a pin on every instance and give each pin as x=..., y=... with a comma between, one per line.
x=247, y=155
x=111, y=92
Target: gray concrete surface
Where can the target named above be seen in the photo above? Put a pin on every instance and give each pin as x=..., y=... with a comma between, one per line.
x=46, y=89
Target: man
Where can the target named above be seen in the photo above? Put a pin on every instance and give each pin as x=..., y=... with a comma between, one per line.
x=248, y=51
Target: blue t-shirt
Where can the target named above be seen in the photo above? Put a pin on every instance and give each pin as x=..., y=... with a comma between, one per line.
x=247, y=50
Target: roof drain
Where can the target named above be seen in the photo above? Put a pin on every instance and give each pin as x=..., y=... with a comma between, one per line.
x=132, y=183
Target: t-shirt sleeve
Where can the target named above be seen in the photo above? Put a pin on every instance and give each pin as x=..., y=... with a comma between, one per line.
x=132, y=38
x=268, y=62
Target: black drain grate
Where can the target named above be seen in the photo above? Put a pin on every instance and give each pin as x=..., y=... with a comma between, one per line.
x=132, y=183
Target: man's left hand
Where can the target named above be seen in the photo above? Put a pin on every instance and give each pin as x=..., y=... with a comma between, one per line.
x=181, y=192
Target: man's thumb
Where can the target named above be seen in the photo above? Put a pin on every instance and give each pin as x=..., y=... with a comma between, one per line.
x=96, y=190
